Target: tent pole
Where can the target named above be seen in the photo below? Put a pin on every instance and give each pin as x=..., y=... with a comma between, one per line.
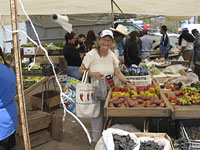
x=112, y=13
x=195, y=19
x=119, y=9
x=17, y=54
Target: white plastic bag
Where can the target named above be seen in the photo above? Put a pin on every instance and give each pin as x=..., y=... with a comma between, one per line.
x=173, y=69
x=126, y=127
x=85, y=106
x=180, y=58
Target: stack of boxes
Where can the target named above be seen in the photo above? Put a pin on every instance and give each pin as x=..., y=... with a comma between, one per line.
x=42, y=126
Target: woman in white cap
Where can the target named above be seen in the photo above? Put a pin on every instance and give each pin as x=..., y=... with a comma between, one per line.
x=100, y=62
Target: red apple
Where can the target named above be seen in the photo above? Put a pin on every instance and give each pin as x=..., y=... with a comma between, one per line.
x=150, y=86
x=116, y=89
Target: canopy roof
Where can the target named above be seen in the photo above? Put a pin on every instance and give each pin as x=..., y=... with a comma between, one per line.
x=147, y=7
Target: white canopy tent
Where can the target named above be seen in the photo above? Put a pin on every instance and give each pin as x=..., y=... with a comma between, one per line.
x=69, y=7
x=150, y=7
x=182, y=8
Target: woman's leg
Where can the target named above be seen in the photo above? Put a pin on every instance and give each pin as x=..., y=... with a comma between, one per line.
x=97, y=125
x=72, y=71
x=9, y=143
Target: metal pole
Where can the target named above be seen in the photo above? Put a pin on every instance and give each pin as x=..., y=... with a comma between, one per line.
x=17, y=54
x=112, y=13
x=195, y=19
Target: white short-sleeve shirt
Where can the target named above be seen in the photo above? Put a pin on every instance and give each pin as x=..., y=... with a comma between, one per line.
x=187, y=45
x=103, y=64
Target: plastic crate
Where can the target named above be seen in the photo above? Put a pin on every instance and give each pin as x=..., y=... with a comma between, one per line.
x=140, y=80
x=191, y=143
x=46, y=70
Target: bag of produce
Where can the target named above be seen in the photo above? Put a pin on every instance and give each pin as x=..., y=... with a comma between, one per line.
x=154, y=143
x=116, y=138
x=174, y=69
x=155, y=71
x=142, y=65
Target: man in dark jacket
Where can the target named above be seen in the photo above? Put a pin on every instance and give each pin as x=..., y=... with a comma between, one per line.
x=72, y=56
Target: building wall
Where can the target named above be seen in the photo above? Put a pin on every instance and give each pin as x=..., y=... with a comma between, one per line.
x=52, y=34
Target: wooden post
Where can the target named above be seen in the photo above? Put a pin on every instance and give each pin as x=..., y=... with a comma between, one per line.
x=18, y=69
x=112, y=13
x=119, y=9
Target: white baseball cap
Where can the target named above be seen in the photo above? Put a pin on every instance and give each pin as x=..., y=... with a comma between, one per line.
x=106, y=32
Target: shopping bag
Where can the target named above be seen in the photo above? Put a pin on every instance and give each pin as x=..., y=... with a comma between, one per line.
x=85, y=106
x=69, y=96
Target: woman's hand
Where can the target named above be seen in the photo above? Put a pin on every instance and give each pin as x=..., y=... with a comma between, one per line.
x=97, y=75
x=130, y=86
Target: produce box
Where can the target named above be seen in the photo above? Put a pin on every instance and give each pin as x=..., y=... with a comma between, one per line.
x=184, y=101
x=190, y=130
x=55, y=59
x=139, y=80
x=141, y=134
x=155, y=135
x=51, y=99
x=40, y=52
x=37, y=120
x=55, y=52
x=56, y=127
x=36, y=138
x=137, y=110
x=42, y=70
x=184, y=63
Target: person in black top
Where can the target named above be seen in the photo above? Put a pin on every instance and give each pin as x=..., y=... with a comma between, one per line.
x=88, y=45
x=131, y=55
x=79, y=43
x=72, y=56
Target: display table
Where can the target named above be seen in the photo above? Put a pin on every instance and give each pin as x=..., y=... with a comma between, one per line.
x=158, y=56
x=136, y=112
x=179, y=111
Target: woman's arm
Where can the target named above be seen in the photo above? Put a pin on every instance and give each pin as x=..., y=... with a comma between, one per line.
x=122, y=78
x=97, y=75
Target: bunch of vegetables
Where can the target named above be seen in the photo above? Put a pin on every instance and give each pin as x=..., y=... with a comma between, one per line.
x=140, y=97
x=183, y=95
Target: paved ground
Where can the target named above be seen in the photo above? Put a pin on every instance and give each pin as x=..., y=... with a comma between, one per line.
x=73, y=136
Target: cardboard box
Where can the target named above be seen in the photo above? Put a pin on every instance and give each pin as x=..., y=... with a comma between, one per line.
x=56, y=127
x=29, y=50
x=36, y=138
x=50, y=99
x=155, y=135
x=37, y=120
x=40, y=52
x=43, y=59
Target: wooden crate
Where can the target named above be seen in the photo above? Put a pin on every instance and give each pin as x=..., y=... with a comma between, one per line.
x=179, y=111
x=135, y=112
x=144, y=134
x=184, y=63
x=36, y=138
x=50, y=100
x=37, y=120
